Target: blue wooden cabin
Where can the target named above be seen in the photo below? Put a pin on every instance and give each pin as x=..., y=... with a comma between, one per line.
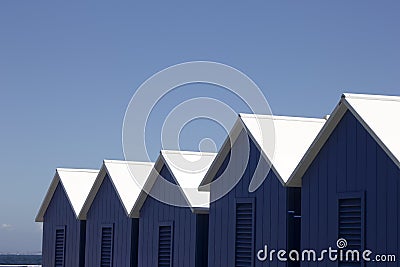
x=111, y=235
x=350, y=180
x=174, y=216
x=63, y=227
x=250, y=205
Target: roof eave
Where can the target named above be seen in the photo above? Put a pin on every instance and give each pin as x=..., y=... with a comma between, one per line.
x=295, y=180
x=177, y=182
x=150, y=181
x=366, y=126
x=93, y=192
x=239, y=126
x=220, y=157
x=47, y=199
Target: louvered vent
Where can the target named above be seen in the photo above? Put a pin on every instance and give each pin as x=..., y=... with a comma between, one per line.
x=106, y=246
x=165, y=246
x=60, y=248
x=350, y=225
x=244, y=235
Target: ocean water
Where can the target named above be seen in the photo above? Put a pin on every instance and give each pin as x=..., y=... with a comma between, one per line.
x=20, y=260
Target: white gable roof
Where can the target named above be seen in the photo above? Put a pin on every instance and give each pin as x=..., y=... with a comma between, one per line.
x=378, y=114
x=293, y=136
x=282, y=141
x=122, y=175
x=184, y=167
x=189, y=176
x=76, y=184
x=382, y=115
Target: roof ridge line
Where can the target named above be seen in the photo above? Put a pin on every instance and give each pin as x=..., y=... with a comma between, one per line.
x=281, y=117
x=128, y=162
x=186, y=152
x=371, y=97
x=76, y=170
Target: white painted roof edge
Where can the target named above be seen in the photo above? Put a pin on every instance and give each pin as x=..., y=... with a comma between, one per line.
x=295, y=179
x=316, y=145
x=160, y=162
x=52, y=188
x=99, y=180
x=372, y=97
x=176, y=180
x=374, y=135
x=184, y=152
x=236, y=129
x=128, y=162
x=219, y=159
x=163, y=152
x=222, y=153
x=93, y=192
x=49, y=195
x=264, y=155
x=76, y=170
x=279, y=117
x=135, y=212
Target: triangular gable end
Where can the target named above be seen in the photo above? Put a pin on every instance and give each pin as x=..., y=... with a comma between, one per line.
x=189, y=183
x=120, y=174
x=76, y=184
x=194, y=198
x=282, y=141
x=151, y=179
x=291, y=137
x=380, y=116
x=377, y=114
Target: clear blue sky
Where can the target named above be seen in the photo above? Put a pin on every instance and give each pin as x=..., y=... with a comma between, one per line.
x=69, y=68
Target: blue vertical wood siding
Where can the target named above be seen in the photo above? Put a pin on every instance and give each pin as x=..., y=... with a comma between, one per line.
x=271, y=206
x=352, y=163
x=190, y=230
x=59, y=214
x=107, y=209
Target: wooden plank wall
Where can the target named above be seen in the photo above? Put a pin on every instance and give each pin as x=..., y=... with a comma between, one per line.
x=107, y=209
x=186, y=227
x=60, y=213
x=270, y=209
x=351, y=162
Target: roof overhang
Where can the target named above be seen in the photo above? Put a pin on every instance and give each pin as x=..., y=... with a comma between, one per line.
x=105, y=171
x=222, y=154
x=135, y=212
x=154, y=175
x=342, y=107
x=88, y=174
x=238, y=127
x=47, y=198
x=93, y=192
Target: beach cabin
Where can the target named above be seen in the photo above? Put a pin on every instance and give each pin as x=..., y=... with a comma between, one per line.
x=350, y=180
x=63, y=226
x=251, y=209
x=111, y=235
x=173, y=213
